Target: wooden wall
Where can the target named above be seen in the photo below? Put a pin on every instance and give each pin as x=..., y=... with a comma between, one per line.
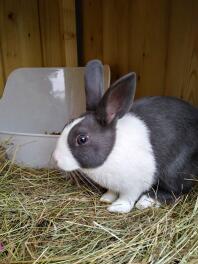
x=158, y=39
x=36, y=33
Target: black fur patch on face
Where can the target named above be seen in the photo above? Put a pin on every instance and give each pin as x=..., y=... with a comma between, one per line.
x=99, y=145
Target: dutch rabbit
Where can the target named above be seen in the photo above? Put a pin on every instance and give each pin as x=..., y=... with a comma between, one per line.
x=144, y=153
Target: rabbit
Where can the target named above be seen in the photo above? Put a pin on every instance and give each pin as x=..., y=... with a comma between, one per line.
x=144, y=152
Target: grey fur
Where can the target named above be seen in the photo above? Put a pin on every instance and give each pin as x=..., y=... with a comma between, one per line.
x=118, y=100
x=100, y=144
x=172, y=123
x=94, y=84
x=173, y=126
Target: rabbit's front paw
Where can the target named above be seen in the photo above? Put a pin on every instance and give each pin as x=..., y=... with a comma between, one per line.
x=145, y=201
x=109, y=197
x=120, y=206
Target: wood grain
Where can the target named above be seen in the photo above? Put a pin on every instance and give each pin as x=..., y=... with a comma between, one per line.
x=92, y=32
x=68, y=29
x=20, y=34
x=182, y=66
x=115, y=36
x=179, y=46
x=132, y=37
x=190, y=87
x=158, y=39
x=110, y=36
x=122, y=25
x=51, y=35
x=154, y=48
x=137, y=40
x=36, y=34
x=2, y=76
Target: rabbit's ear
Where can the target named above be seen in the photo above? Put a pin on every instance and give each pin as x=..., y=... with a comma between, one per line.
x=118, y=99
x=94, y=84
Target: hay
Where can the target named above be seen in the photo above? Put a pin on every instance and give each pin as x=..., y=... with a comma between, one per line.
x=47, y=219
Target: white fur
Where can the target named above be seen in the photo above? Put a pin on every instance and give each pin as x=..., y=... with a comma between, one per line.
x=109, y=197
x=128, y=170
x=121, y=205
x=62, y=154
x=130, y=167
x=145, y=201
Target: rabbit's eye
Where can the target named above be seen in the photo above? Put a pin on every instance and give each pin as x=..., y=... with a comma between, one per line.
x=82, y=139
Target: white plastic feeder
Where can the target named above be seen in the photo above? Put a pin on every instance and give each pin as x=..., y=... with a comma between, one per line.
x=37, y=102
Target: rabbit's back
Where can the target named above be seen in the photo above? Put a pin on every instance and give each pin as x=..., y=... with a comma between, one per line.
x=173, y=126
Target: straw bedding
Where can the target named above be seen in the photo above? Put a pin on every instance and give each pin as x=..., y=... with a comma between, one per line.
x=45, y=218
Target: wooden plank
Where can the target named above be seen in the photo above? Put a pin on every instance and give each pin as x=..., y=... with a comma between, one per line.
x=122, y=24
x=137, y=40
x=131, y=39
x=178, y=46
x=68, y=26
x=155, y=48
x=190, y=87
x=115, y=36
x=51, y=37
x=92, y=30
x=148, y=45
x=20, y=34
x=2, y=75
x=182, y=64
x=110, y=36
